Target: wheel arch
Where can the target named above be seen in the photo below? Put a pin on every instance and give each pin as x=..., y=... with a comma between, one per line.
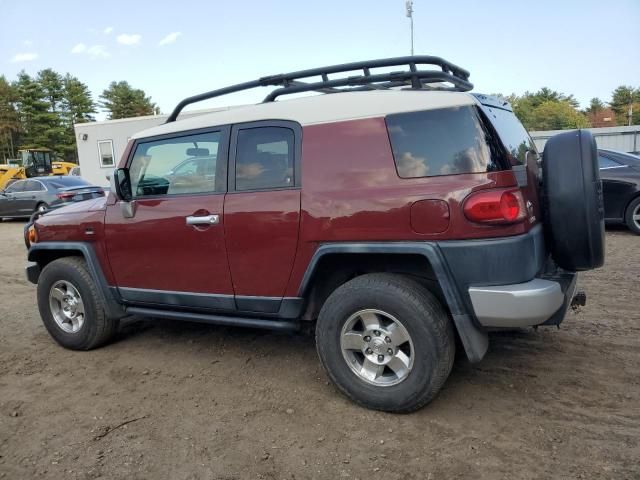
x=334, y=264
x=46, y=252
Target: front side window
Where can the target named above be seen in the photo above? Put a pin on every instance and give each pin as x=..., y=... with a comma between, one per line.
x=264, y=158
x=105, y=152
x=16, y=187
x=179, y=165
x=439, y=142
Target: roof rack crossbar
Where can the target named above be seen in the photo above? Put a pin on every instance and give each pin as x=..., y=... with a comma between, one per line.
x=416, y=80
x=291, y=82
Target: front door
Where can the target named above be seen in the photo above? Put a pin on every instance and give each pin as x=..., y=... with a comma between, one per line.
x=262, y=211
x=167, y=247
x=8, y=205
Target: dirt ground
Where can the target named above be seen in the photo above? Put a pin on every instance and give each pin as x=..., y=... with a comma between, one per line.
x=206, y=402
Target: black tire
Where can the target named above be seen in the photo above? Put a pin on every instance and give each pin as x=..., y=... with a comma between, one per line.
x=97, y=329
x=426, y=322
x=41, y=206
x=573, y=206
x=633, y=209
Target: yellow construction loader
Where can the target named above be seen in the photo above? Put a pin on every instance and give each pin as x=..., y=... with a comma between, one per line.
x=36, y=162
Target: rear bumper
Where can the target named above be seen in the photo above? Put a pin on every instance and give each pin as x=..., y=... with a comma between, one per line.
x=536, y=302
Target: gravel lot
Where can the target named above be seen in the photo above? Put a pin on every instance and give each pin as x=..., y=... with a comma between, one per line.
x=206, y=402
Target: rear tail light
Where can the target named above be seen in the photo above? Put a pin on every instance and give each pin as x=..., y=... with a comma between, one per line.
x=495, y=206
x=65, y=196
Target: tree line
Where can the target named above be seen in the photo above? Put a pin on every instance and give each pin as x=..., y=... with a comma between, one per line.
x=40, y=111
x=548, y=109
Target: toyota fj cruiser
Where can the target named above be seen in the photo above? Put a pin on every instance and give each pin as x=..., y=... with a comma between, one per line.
x=396, y=210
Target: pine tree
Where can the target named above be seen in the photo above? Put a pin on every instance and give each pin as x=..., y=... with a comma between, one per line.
x=9, y=120
x=40, y=126
x=77, y=106
x=625, y=100
x=121, y=100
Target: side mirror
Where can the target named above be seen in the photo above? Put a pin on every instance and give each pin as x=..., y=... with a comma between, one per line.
x=121, y=184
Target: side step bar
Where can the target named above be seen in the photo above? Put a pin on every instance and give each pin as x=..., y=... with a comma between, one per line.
x=290, y=326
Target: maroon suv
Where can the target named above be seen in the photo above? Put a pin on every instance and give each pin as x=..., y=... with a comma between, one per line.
x=396, y=210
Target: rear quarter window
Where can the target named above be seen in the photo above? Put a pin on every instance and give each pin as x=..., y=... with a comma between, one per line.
x=445, y=141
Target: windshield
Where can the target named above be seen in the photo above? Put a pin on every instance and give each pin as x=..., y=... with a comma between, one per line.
x=513, y=135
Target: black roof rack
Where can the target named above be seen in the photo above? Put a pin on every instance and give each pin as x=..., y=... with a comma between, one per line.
x=292, y=83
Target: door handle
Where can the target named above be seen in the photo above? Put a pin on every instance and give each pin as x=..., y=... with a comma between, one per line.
x=203, y=220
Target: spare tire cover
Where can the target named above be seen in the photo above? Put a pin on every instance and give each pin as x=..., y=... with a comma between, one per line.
x=573, y=207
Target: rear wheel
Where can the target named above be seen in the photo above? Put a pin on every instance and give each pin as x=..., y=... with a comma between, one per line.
x=42, y=207
x=632, y=217
x=386, y=342
x=71, y=307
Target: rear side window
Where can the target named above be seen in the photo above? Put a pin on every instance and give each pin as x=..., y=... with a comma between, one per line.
x=264, y=158
x=439, y=142
x=32, y=186
x=512, y=133
x=604, y=162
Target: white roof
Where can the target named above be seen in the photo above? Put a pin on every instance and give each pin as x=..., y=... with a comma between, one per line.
x=335, y=107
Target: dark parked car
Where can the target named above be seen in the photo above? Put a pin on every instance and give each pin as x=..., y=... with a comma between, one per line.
x=23, y=197
x=620, y=173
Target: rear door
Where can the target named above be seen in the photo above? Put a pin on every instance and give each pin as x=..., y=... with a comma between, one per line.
x=166, y=247
x=262, y=211
x=29, y=197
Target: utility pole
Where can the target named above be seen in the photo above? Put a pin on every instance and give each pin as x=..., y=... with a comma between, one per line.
x=409, y=6
x=630, y=107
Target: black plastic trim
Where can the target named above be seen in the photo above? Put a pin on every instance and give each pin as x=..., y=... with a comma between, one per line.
x=273, y=307
x=215, y=319
x=474, y=338
x=177, y=299
x=113, y=309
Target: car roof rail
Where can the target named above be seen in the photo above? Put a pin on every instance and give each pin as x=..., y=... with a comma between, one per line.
x=413, y=77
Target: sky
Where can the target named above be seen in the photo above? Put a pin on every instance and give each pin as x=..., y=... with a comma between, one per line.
x=172, y=50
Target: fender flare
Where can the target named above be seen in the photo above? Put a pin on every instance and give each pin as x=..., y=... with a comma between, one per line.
x=474, y=339
x=37, y=251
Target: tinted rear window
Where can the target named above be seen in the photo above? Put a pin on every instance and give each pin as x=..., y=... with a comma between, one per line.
x=439, y=142
x=64, y=182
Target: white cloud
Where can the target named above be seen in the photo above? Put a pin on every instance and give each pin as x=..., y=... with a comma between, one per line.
x=27, y=43
x=94, y=51
x=129, y=39
x=79, y=48
x=107, y=30
x=98, y=51
x=169, y=39
x=24, y=57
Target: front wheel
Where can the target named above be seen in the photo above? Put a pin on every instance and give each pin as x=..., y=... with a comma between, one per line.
x=71, y=307
x=386, y=342
x=632, y=217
